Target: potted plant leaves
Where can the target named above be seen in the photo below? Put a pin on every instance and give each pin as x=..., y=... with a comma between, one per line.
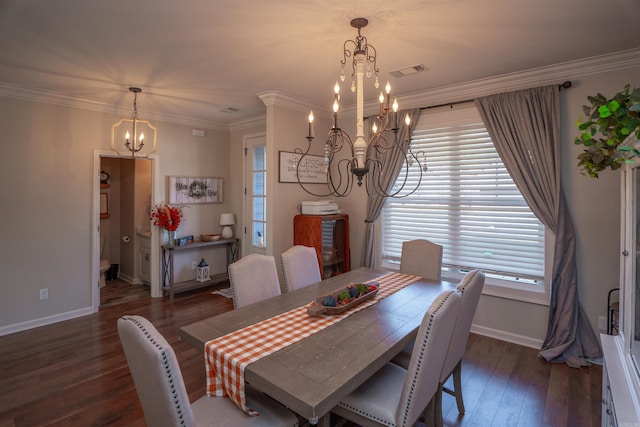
x=610, y=132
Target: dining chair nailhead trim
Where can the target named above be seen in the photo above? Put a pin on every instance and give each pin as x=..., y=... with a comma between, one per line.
x=367, y=415
x=413, y=383
x=167, y=367
x=423, y=347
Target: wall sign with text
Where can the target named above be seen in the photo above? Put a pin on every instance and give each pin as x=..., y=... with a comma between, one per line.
x=311, y=169
x=189, y=190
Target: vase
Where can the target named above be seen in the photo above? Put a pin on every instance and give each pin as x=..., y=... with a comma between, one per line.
x=172, y=237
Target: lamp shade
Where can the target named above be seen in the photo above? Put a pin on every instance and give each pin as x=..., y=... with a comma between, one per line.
x=227, y=219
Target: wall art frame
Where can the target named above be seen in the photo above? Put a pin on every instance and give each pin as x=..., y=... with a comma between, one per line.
x=312, y=172
x=188, y=190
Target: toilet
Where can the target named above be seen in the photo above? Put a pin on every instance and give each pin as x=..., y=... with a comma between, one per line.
x=105, y=264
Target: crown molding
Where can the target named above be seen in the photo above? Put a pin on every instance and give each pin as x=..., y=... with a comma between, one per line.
x=553, y=74
x=250, y=123
x=55, y=98
x=48, y=97
x=281, y=99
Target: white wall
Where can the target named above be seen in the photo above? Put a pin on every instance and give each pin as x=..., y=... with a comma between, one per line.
x=46, y=169
x=182, y=154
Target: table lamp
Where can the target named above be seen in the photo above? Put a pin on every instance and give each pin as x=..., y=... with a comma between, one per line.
x=227, y=219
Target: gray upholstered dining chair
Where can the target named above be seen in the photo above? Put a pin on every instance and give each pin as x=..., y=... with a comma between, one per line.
x=421, y=258
x=397, y=397
x=253, y=278
x=299, y=267
x=470, y=288
x=162, y=392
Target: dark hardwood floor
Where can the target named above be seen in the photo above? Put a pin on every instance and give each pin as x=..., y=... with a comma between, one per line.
x=118, y=291
x=74, y=373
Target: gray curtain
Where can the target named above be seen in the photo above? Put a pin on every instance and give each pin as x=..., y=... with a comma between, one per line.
x=525, y=126
x=394, y=160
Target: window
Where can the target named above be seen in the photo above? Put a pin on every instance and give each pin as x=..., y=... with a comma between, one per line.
x=258, y=195
x=467, y=203
x=255, y=201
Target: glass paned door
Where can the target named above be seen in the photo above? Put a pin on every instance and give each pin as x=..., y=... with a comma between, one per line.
x=256, y=195
x=633, y=255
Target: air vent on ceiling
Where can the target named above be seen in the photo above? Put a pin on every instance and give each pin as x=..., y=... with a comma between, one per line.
x=230, y=110
x=407, y=71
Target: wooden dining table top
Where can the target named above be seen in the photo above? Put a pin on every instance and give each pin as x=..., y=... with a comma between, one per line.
x=311, y=376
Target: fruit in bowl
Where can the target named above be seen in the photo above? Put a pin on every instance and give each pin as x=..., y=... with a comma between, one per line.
x=343, y=299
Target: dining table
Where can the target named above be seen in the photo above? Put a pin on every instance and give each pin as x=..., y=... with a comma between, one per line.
x=315, y=373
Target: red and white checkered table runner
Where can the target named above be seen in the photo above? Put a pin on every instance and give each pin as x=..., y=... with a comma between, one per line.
x=226, y=357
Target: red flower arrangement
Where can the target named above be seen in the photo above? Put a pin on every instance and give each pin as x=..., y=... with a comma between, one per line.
x=166, y=216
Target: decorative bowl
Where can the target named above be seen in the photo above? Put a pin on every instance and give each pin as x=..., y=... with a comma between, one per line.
x=318, y=308
x=210, y=237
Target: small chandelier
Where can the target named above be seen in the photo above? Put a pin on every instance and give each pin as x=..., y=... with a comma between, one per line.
x=128, y=135
x=367, y=160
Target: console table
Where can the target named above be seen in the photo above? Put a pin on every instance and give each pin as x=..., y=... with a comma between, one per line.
x=168, y=283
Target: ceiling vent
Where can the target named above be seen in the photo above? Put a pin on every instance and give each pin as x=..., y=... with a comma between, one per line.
x=230, y=110
x=407, y=71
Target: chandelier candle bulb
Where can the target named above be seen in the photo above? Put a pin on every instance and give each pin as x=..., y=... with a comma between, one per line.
x=407, y=121
x=395, y=113
x=311, y=131
x=388, y=89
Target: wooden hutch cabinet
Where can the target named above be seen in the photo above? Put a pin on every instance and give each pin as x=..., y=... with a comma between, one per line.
x=621, y=361
x=329, y=235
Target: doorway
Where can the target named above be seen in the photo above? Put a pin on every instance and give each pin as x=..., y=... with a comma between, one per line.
x=123, y=246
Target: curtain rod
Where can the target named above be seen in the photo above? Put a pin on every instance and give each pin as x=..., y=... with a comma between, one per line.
x=565, y=85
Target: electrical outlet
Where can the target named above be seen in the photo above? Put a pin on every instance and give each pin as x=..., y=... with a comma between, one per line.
x=194, y=265
x=44, y=294
x=602, y=323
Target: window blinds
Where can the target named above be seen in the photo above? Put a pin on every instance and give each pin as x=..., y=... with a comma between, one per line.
x=467, y=202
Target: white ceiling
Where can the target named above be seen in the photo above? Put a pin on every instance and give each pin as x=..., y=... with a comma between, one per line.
x=195, y=58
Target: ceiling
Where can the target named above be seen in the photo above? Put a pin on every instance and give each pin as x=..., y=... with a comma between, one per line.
x=194, y=59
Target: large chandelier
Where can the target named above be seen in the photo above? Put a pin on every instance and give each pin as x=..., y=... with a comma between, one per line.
x=128, y=135
x=369, y=160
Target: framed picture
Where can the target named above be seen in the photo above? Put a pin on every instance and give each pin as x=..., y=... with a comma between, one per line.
x=183, y=241
x=311, y=171
x=191, y=190
x=104, y=205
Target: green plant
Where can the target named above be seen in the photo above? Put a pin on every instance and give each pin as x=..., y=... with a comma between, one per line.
x=605, y=133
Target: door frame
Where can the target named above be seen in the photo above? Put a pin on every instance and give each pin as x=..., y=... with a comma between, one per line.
x=156, y=288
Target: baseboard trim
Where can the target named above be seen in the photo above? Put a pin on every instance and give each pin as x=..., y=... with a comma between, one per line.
x=43, y=321
x=507, y=336
x=480, y=330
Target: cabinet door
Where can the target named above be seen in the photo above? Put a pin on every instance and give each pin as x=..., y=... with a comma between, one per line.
x=145, y=264
x=630, y=292
x=334, y=251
